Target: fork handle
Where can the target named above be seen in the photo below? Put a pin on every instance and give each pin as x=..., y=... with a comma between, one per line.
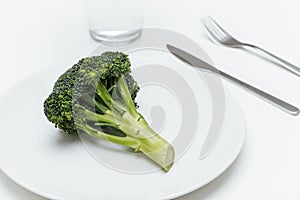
x=279, y=61
x=290, y=109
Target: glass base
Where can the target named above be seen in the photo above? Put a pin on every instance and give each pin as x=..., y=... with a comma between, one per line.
x=115, y=37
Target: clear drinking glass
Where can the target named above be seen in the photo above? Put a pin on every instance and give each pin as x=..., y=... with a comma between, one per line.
x=115, y=21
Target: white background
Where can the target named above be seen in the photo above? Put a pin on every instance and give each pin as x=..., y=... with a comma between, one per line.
x=36, y=34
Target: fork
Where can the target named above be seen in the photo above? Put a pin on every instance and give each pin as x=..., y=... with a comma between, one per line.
x=219, y=35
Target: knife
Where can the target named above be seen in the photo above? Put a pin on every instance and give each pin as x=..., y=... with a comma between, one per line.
x=211, y=140
x=196, y=62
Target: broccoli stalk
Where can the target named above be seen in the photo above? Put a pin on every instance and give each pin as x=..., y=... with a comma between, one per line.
x=96, y=97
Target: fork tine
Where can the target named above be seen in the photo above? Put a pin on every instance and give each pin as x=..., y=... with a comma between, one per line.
x=215, y=30
x=217, y=26
x=212, y=34
x=215, y=34
x=218, y=34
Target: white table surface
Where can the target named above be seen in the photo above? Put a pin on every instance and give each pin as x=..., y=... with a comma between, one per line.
x=36, y=34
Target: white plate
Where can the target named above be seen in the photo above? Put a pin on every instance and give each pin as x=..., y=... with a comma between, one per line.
x=39, y=158
x=45, y=161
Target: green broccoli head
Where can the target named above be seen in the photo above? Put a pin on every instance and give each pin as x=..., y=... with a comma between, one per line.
x=78, y=80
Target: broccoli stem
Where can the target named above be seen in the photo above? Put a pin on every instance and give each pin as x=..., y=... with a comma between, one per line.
x=159, y=150
x=149, y=142
x=126, y=96
x=126, y=141
x=139, y=136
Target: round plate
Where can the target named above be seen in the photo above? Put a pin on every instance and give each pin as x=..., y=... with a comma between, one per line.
x=44, y=160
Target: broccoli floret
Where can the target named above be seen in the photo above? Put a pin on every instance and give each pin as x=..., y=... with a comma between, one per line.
x=58, y=106
x=96, y=96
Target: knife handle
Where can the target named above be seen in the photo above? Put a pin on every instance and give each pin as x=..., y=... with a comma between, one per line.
x=290, y=109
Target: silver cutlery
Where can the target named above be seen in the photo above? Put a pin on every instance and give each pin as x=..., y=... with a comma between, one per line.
x=196, y=62
x=220, y=36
